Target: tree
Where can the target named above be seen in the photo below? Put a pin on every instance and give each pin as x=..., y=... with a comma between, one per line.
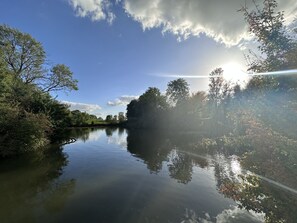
x=29, y=116
x=108, y=118
x=25, y=58
x=178, y=91
x=153, y=100
x=219, y=96
x=219, y=89
x=133, y=110
x=23, y=55
x=115, y=118
x=60, y=78
x=121, y=116
x=276, y=46
x=148, y=109
x=196, y=103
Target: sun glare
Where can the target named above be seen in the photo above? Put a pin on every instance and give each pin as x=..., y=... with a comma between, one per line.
x=234, y=72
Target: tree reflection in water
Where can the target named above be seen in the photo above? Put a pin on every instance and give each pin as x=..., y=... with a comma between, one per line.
x=250, y=192
x=150, y=146
x=180, y=167
x=259, y=196
x=33, y=181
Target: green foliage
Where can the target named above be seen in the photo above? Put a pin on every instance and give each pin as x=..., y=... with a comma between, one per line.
x=60, y=78
x=148, y=110
x=29, y=116
x=277, y=46
x=25, y=59
x=23, y=55
x=21, y=131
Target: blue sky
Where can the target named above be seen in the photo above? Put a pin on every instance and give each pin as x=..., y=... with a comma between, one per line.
x=115, y=62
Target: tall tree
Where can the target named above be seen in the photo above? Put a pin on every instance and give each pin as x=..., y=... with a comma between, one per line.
x=178, y=91
x=25, y=58
x=148, y=109
x=216, y=87
x=23, y=55
x=269, y=30
x=277, y=46
x=153, y=100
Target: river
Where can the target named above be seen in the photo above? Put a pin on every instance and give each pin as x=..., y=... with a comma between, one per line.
x=115, y=175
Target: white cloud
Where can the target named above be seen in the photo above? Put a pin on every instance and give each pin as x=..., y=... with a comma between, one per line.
x=89, y=108
x=232, y=215
x=122, y=101
x=120, y=140
x=239, y=215
x=219, y=20
x=95, y=136
x=94, y=9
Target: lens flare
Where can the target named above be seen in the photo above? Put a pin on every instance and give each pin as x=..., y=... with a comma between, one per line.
x=247, y=74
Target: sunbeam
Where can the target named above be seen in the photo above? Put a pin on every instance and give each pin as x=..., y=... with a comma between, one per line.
x=227, y=76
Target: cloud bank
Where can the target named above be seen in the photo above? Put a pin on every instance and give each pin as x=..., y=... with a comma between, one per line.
x=122, y=101
x=219, y=20
x=89, y=108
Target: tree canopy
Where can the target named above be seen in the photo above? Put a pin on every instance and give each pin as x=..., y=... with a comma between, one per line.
x=26, y=59
x=178, y=90
x=277, y=47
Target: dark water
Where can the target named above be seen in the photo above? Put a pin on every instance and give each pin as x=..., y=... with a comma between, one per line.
x=112, y=175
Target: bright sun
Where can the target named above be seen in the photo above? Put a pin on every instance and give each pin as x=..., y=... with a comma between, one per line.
x=234, y=72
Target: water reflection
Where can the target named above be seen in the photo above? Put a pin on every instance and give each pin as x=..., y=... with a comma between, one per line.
x=152, y=147
x=261, y=197
x=232, y=215
x=251, y=193
x=160, y=178
x=27, y=182
x=180, y=166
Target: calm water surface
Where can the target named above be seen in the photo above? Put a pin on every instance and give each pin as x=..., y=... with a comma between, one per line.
x=112, y=175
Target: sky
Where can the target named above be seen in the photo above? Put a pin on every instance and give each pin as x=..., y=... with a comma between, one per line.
x=116, y=49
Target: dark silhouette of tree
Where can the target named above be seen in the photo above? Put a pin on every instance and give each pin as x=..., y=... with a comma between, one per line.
x=121, y=117
x=148, y=110
x=178, y=91
x=108, y=118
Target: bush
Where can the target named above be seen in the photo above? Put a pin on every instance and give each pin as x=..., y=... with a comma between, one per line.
x=21, y=131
